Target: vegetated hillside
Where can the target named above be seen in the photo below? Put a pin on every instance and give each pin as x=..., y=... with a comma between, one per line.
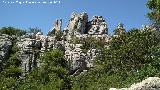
x=126, y=58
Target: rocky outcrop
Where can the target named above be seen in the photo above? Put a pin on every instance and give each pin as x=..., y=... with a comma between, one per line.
x=57, y=26
x=30, y=47
x=151, y=83
x=81, y=28
x=97, y=26
x=5, y=46
x=34, y=44
x=75, y=57
x=119, y=30
x=77, y=23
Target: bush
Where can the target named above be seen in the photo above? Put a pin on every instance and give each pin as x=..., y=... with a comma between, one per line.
x=12, y=31
x=52, y=73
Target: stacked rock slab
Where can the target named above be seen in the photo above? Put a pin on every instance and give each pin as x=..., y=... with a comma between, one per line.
x=77, y=23
x=97, y=26
x=76, y=58
x=30, y=48
x=33, y=45
x=25, y=52
x=81, y=28
x=5, y=46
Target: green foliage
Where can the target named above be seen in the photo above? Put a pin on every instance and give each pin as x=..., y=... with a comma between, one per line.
x=75, y=40
x=51, y=75
x=59, y=35
x=9, y=77
x=119, y=31
x=98, y=79
x=7, y=83
x=128, y=51
x=92, y=42
x=12, y=31
x=154, y=14
x=88, y=43
x=130, y=58
x=14, y=48
x=34, y=30
x=54, y=58
x=12, y=71
x=10, y=68
x=51, y=33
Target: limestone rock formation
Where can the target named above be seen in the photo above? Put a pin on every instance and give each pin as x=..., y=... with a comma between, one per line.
x=97, y=26
x=81, y=28
x=33, y=45
x=57, y=25
x=77, y=23
x=5, y=46
x=119, y=29
x=151, y=83
x=75, y=57
x=30, y=46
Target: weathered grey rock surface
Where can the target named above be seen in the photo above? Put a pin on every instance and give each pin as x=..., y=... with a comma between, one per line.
x=151, y=83
x=33, y=45
x=5, y=46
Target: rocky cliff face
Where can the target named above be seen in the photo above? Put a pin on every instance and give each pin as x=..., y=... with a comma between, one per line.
x=32, y=45
x=5, y=46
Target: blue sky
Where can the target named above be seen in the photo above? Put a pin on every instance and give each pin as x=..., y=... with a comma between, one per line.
x=132, y=13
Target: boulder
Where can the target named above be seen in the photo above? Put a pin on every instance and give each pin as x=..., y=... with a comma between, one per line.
x=151, y=83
